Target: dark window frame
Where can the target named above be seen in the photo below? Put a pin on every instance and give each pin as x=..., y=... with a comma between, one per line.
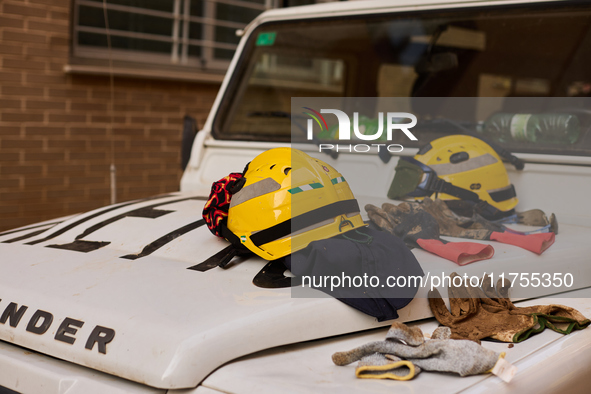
x=179, y=40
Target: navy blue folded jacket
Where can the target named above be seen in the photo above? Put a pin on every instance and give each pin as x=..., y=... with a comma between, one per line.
x=385, y=267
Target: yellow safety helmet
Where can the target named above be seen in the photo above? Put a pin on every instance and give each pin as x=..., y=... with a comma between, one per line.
x=290, y=199
x=455, y=167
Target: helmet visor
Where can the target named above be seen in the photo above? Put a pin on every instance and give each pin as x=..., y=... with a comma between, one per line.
x=410, y=179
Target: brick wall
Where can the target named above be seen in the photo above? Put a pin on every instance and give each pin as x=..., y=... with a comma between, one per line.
x=56, y=132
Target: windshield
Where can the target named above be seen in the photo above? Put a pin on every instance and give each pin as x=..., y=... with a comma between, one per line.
x=535, y=50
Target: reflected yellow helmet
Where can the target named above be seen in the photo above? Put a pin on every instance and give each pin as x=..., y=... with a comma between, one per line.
x=455, y=167
x=290, y=199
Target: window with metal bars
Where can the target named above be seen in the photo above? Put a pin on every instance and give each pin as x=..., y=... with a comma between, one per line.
x=168, y=32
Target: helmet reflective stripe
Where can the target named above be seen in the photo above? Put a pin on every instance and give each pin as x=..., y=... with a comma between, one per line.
x=258, y=189
x=337, y=180
x=468, y=165
x=303, y=188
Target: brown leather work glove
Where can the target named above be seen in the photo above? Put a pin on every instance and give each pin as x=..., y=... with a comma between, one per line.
x=468, y=319
x=418, y=228
x=488, y=313
x=477, y=227
x=559, y=318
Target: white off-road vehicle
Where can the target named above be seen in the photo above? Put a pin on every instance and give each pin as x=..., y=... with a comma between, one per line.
x=128, y=299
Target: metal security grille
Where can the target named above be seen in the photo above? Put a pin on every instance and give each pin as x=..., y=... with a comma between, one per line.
x=178, y=32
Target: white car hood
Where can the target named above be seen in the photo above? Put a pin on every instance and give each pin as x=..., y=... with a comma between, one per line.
x=170, y=326
x=116, y=290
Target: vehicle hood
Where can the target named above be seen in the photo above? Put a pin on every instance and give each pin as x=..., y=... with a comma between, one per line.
x=127, y=289
x=114, y=290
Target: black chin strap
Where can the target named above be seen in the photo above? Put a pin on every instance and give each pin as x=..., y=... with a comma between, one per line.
x=438, y=185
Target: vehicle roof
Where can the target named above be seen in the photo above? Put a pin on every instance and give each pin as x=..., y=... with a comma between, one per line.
x=362, y=6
